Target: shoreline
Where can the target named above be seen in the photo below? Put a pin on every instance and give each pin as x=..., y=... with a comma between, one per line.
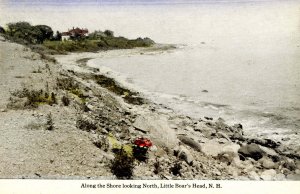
x=204, y=149
x=280, y=135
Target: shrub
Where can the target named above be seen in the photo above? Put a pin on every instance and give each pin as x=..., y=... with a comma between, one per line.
x=29, y=34
x=157, y=167
x=175, y=169
x=67, y=83
x=109, y=33
x=35, y=97
x=49, y=122
x=123, y=164
x=85, y=124
x=65, y=100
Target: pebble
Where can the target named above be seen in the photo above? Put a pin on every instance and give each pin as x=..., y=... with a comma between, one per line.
x=286, y=139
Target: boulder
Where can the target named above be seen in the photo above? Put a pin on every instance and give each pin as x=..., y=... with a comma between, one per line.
x=267, y=163
x=158, y=129
x=204, y=129
x=265, y=142
x=294, y=177
x=254, y=176
x=252, y=151
x=223, y=135
x=184, y=154
x=213, y=148
x=228, y=157
x=190, y=142
x=268, y=175
x=289, y=164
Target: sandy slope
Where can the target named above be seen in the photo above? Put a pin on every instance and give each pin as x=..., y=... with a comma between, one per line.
x=27, y=149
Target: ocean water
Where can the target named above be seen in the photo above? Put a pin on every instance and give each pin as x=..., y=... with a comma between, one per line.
x=245, y=54
x=238, y=62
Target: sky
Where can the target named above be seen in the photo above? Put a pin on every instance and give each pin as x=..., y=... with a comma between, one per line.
x=202, y=19
x=121, y=2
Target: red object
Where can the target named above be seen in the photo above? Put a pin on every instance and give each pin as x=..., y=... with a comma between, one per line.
x=143, y=142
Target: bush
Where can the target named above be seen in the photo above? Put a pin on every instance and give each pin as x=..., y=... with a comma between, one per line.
x=157, y=167
x=28, y=33
x=49, y=122
x=35, y=97
x=65, y=100
x=123, y=164
x=85, y=124
x=109, y=33
x=175, y=170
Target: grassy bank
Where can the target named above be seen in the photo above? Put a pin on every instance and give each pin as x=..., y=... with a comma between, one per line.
x=42, y=39
x=92, y=45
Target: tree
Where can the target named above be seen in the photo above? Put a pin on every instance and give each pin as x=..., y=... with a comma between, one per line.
x=47, y=32
x=109, y=33
x=57, y=36
x=31, y=34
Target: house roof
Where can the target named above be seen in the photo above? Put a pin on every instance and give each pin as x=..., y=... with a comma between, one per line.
x=74, y=31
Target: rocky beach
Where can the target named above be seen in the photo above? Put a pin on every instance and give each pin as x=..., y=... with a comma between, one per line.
x=62, y=119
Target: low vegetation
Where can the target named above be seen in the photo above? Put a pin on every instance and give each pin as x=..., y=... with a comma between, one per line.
x=41, y=39
x=70, y=85
x=123, y=164
x=85, y=124
x=49, y=122
x=110, y=84
x=34, y=98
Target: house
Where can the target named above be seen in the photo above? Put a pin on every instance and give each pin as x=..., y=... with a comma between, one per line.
x=74, y=34
x=65, y=36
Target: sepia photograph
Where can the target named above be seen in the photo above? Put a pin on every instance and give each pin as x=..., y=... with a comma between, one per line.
x=150, y=90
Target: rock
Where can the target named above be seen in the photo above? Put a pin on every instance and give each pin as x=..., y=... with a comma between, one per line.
x=238, y=127
x=254, y=176
x=265, y=142
x=221, y=125
x=286, y=139
x=290, y=164
x=280, y=177
x=237, y=136
x=268, y=175
x=252, y=151
x=227, y=157
x=190, y=142
x=285, y=171
x=213, y=148
x=269, y=151
x=204, y=91
x=184, y=154
x=153, y=148
x=2, y=38
x=188, y=128
x=294, y=177
x=204, y=129
x=141, y=124
x=158, y=128
x=223, y=135
x=267, y=163
x=208, y=118
x=217, y=172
